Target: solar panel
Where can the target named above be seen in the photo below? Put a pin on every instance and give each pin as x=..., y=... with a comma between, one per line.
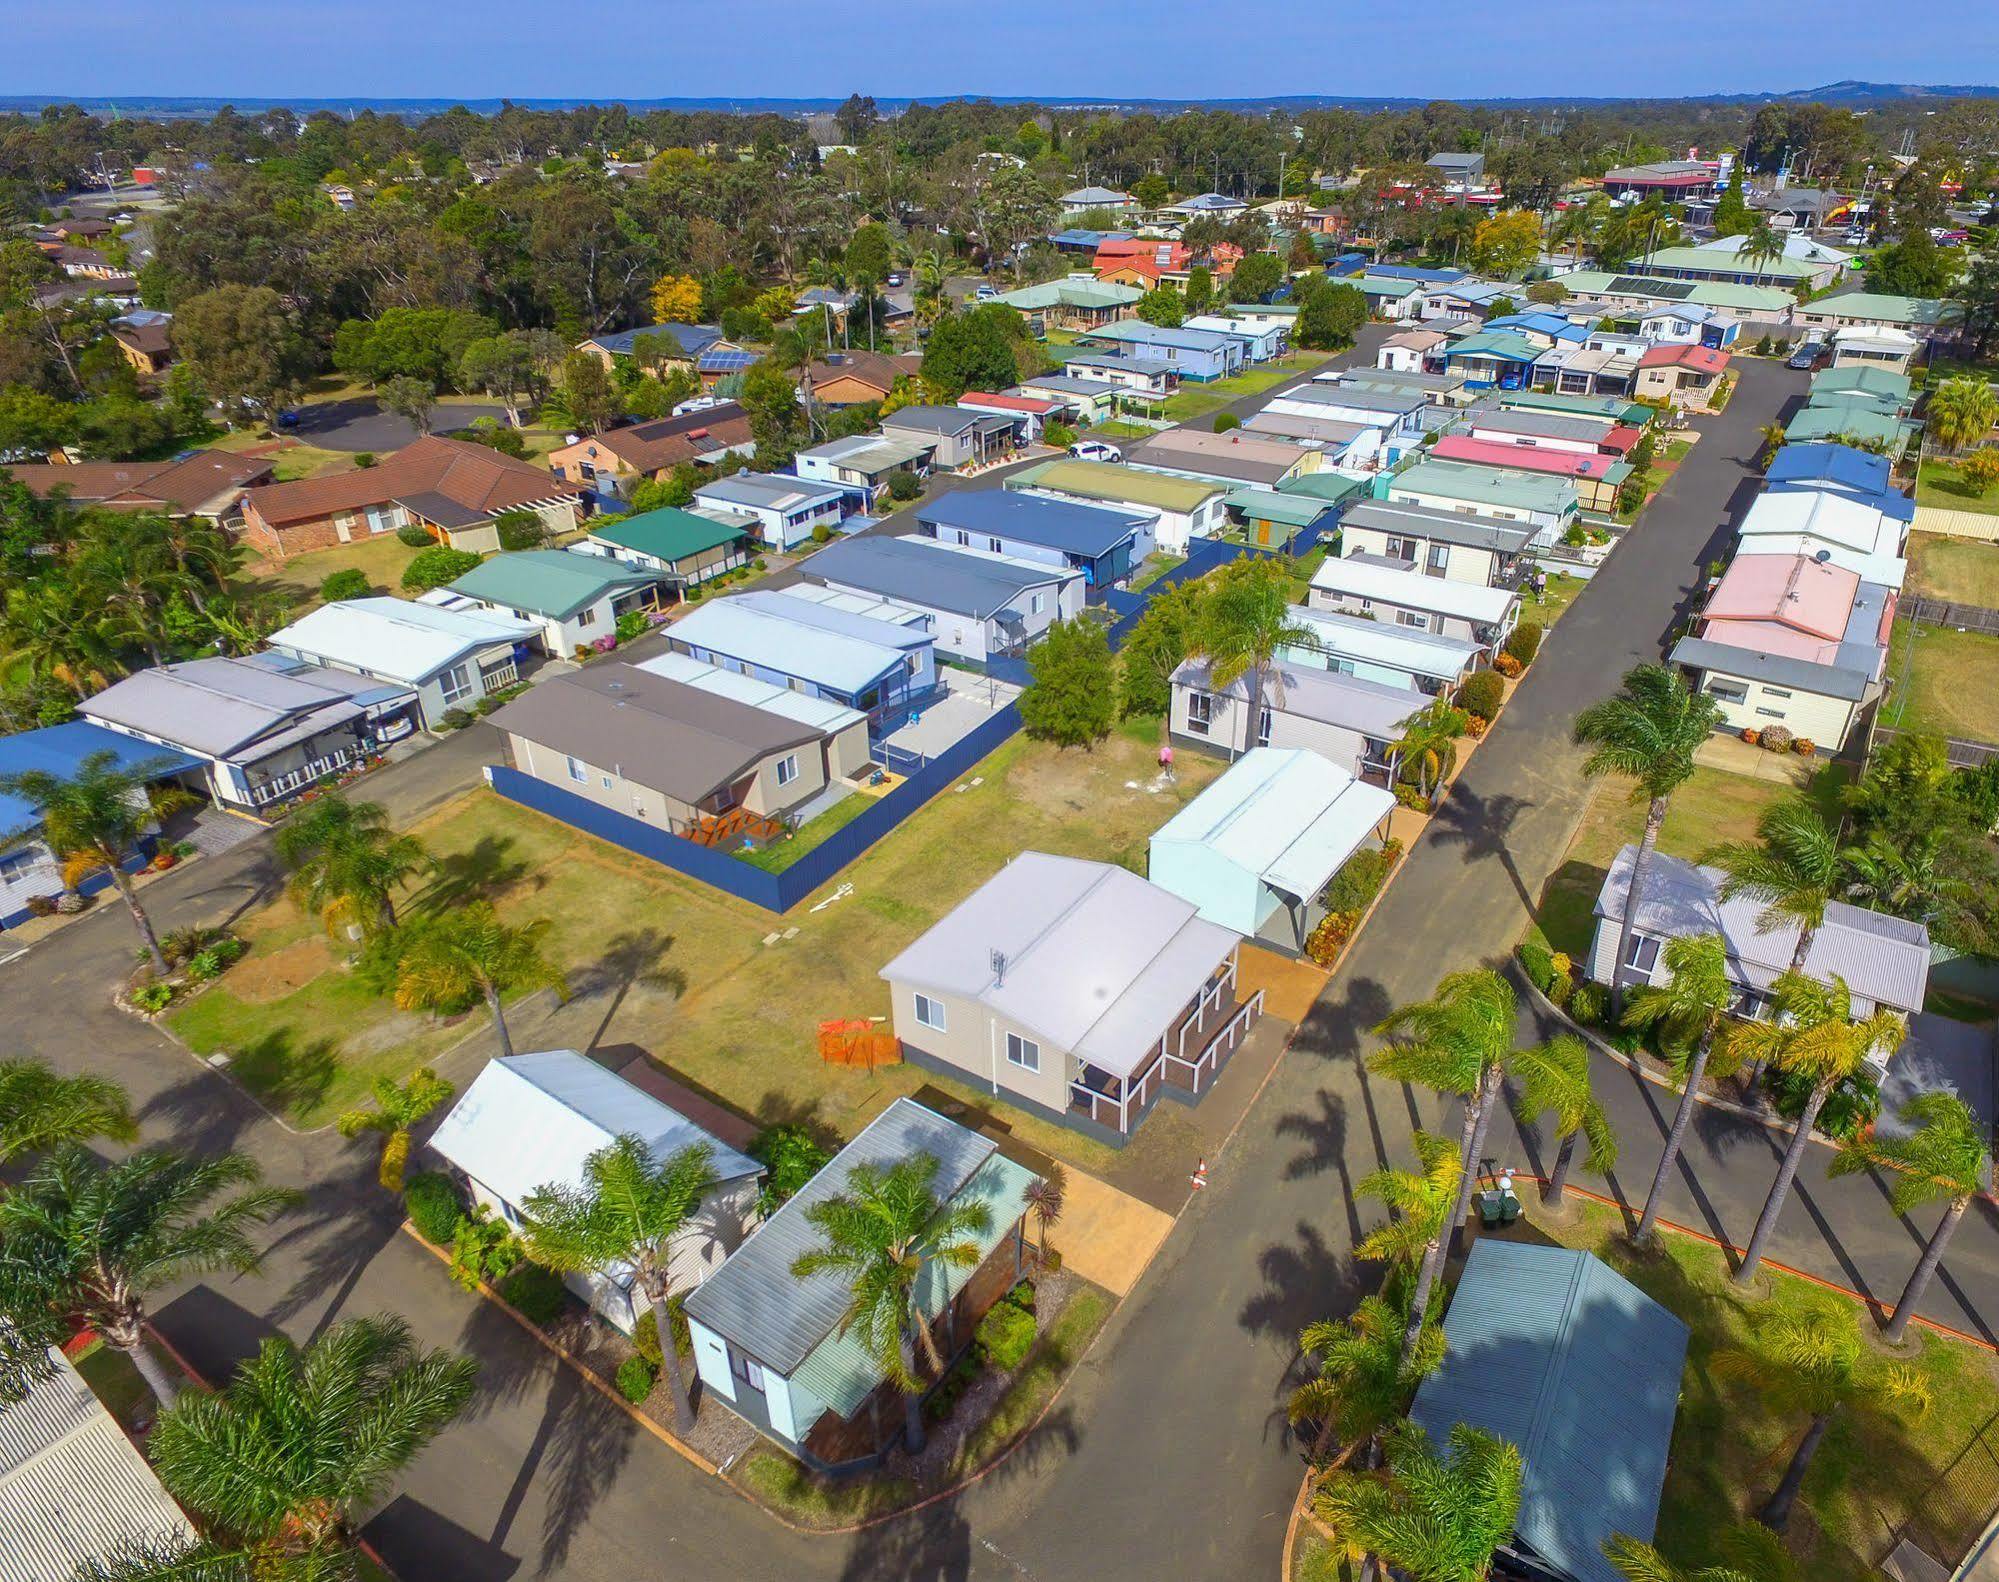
x=725, y=362
x=1645, y=285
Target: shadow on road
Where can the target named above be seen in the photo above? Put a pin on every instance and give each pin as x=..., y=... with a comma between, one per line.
x=1483, y=825
x=418, y=1542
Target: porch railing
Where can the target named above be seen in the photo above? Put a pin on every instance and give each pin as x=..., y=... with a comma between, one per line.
x=298, y=779
x=1202, y=1068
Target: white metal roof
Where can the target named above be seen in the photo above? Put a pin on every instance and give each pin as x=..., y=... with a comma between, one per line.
x=398, y=638
x=818, y=713
x=862, y=604
x=1402, y=647
x=1889, y=570
x=1284, y=814
x=841, y=660
x=1829, y=515
x=1413, y=590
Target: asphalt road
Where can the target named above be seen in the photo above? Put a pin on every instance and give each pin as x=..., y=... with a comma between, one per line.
x=359, y=423
x=1168, y=1455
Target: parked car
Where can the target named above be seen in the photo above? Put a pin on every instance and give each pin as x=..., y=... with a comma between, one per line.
x=985, y=293
x=1095, y=450
x=1807, y=355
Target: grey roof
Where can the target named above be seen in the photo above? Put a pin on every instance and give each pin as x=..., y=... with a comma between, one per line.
x=1063, y=384
x=222, y=708
x=1209, y=463
x=1064, y=525
x=756, y=1303
x=936, y=576
x=1137, y=365
x=1553, y=1351
x=770, y=491
x=1327, y=430
x=1832, y=681
x=1394, y=403
x=1539, y=425
x=944, y=420
x=1374, y=708
x=1884, y=960
x=681, y=740
x=1446, y=527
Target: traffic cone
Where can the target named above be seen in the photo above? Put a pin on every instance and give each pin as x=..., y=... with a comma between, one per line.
x=1200, y=1175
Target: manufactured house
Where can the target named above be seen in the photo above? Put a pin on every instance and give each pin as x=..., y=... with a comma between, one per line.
x=859, y=661
x=449, y=658
x=1077, y=303
x=959, y=438
x=1200, y=355
x=574, y=599
x=1394, y=300
x=1075, y=990
x=1235, y=458
x=1621, y=296
x=1885, y=385
x=979, y=605
x=1182, y=509
x=787, y=509
x=1396, y=593
x=1849, y=420
x=1396, y=416
x=1356, y=447
x=682, y=549
x=1687, y=324
x=1495, y=359
x=1919, y=316
x=1105, y=543
x=611, y=462
x=1256, y=849
x=529, y=1122
x=1084, y=199
x=1032, y=413
x=1684, y=375
x=1856, y=534
x=1858, y=345
x=1088, y=401
x=1860, y=474
x=1547, y=504
x=1397, y=656
x=1597, y=479
x=1412, y=351
x=1150, y=379
x=1351, y=723
x=1804, y=262
x=1522, y=427
x=1451, y=544
x=864, y=464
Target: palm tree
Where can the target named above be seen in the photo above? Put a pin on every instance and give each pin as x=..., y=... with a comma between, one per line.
x=1749, y=1553
x=927, y=279
x=55, y=634
x=1688, y=1012
x=471, y=953
x=1962, y=411
x=1437, y=1516
x=885, y=1232
x=1806, y=1358
x=1649, y=729
x=1362, y=1385
x=1429, y=742
x=40, y=1110
x=99, y=815
x=1554, y=1080
x=1772, y=438
x=626, y=1213
x=398, y=1107
x=1762, y=247
x=346, y=862
x=1246, y=619
x=1045, y=1198
x=1945, y=1155
x=1419, y=1205
x=1795, y=867
x=94, y=1241
x=1811, y=1034
x=1458, y=1042
x=203, y=1560
x=301, y=1438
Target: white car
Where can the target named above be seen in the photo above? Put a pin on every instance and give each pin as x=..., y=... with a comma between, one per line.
x=1095, y=450
x=985, y=294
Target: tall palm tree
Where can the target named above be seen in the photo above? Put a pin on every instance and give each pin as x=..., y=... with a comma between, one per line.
x=1458, y=1042
x=302, y=1438
x=1244, y=622
x=1688, y=1013
x=98, y=815
x=1554, y=1080
x=471, y=953
x=1650, y=730
x=885, y=1232
x=1435, y=1515
x=94, y=1241
x=1761, y=247
x=626, y=1213
x=56, y=634
x=1806, y=1358
x=1962, y=411
x=1811, y=1034
x=1771, y=438
x=927, y=278
x=1945, y=1155
x=1749, y=1553
x=1362, y=1385
x=347, y=863
x=1429, y=743
x=1419, y=1206
x=1795, y=867
x=41, y=1110
x=398, y=1108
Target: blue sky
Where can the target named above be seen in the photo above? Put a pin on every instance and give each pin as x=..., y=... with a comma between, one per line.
x=1165, y=48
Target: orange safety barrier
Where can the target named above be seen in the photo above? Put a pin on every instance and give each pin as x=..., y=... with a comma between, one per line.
x=858, y=1043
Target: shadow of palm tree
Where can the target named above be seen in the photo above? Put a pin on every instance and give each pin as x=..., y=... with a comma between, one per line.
x=286, y=1074
x=1323, y=1137
x=637, y=959
x=1483, y=825
x=464, y=876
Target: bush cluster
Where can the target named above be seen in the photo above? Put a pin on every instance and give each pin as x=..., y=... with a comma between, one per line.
x=1006, y=1335
x=1538, y=962
x=433, y=1206
x=350, y=583
x=1589, y=1003
x=1361, y=877
x=536, y=1293
x=791, y=1156
x=1482, y=693
x=645, y=1333
x=414, y=536
x=1523, y=642
x=635, y=1379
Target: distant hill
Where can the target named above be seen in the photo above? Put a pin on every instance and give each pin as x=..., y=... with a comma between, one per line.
x=1851, y=90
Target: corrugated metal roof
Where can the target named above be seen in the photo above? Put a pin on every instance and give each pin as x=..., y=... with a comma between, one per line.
x=758, y=1305
x=936, y=576
x=1421, y=653
x=1411, y=589
x=1487, y=485
x=60, y=749
x=820, y=713
x=219, y=706
x=548, y=582
x=1832, y=681
x=1555, y=1352
x=1827, y=514
x=397, y=637
x=1106, y=480
x=755, y=634
x=1374, y=708
x=1839, y=466
x=1091, y=530
x=1445, y=527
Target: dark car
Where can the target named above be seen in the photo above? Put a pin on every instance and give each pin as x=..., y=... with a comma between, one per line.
x=1807, y=355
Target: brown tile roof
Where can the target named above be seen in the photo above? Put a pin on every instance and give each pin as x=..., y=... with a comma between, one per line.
x=877, y=369
x=154, y=340
x=474, y=476
x=668, y=441
x=183, y=485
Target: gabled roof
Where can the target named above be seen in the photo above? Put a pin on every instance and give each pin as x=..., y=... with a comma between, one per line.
x=1487, y=486
x=1621, y=409
x=1840, y=466
x=1072, y=293
x=1367, y=577
x=1542, y=425
x=1702, y=359
x=1421, y=653
x=935, y=576
x=1829, y=515
x=1849, y=684
x=758, y=634
x=692, y=339
x=668, y=534
x=1137, y=332
x=398, y=638
x=1880, y=384
x=221, y=707
x=769, y=491
x=553, y=583
x=1374, y=708
x=1923, y=312
x=184, y=484
x=476, y=477
x=951, y=420
x=878, y=370
x=1530, y=458
x=61, y=749
x=1088, y=530
x=1443, y=527
x=816, y=713
x=1506, y=345
x=666, y=442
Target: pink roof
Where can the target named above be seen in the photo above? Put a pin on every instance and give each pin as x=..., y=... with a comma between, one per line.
x=1705, y=359
x=1008, y=403
x=1782, y=604
x=1527, y=458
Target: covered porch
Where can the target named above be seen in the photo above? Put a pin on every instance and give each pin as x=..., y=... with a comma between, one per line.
x=1189, y=1055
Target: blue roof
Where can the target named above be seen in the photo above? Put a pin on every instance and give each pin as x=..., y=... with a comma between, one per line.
x=1078, y=238
x=725, y=360
x=1842, y=466
x=693, y=339
x=1551, y=324
x=1074, y=529
x=1426, y=277
x=61, y=749
x=848, y=662
x=1557, y=1353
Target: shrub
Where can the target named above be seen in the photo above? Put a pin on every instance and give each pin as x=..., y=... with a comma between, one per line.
x=1361, y=877
x=1588, y=1003
x=153, y=998
x=1021, y=1296
x=1482, y=693
x=432, y=1203
x=791, y=1156
x=943, y=1396
x=483, y=1248
x=435, y=566
x=1331, y=937
x=1408, y=796
x=1059, y=435
x=414, y=536
x=352, y=583
x=1523, y=643
x=635, y=1379
x=760, y=564
x=632, y=624
x=645, y=1333
x=537, y=1294
x=1224, y=421
x=1804, y=746
x=904, y=486
x=1508, y=667
x=822, y=534
x=1763, y=345
x=1538, y=962
x=1775, y=739
x=521, y=529
x=1561, y=978
x=456, y=719
x=1006, y=1335
x=364, y=458
x=1751, y=735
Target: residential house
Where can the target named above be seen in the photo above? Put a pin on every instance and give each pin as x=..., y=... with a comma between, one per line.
x=1605, y=364
x=1394, y=300
x=1687, y=324
x=1200, y=355
x=680, y=548
x=980, y=605
x=1597, y=479
x=1611, y=407
x=1074, y=303
x=863, y=662
x=1089, y=401
x=1805, y=262
x=449, y=658
x=1261, y=343
x=261, y=729
x=1264, y=316
x=1397, y=656
x=1256, y=849
x=1892, y=390
x=1459, y=169
x=1850, y=420
x=1397, y=416
x=1234, y=457
x=958, y=438
x=1861, y=474
x=1032, y=413
x=1075, y=990
x=1412, y=351
x=1351, y=723
x=30, y=869
x=452, y=488
x=1856, y=345
x=853, y=377
x=1356, y=447
x=864, y=464
x=205, y=483
x=1549, y=504
x=774, y=1347
x=1455, y=298
x=1624, y=296
x=680, y=343
x=574, y=600
x=1681, y=180
x=1827, y=524
x=1555, y=1353
x=147, y=343
x=1105, y=543
x=1181, y=509
x=1215, y=205
x=611, y=462
x=1451, y=544
x=1492, y=359
x=1920, y=316
x=1683, y=375
x=1396, y=593
x=1524, y=428
x=788, y=510
x=682, y=758
x=1083, y=199
x=1149, y=379
x=1884, y=960
x=531, y=1122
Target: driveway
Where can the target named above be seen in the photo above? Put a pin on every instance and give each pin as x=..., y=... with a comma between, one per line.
x=359, y=423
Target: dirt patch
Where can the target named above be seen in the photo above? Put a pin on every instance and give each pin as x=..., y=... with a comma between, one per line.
x=263, y=976
x=401, y=1028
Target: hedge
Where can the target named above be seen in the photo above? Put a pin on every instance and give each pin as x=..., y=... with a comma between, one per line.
x=1006, y=1335
x=435, y=566
x=431, y=1201
x=348, y=583
x=537, y=1294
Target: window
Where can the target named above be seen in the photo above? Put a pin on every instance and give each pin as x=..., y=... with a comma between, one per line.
x=1263, y=728
x=1200, y=712
x=787, y=769
x=1412, y=618
x=1402, y=548
x=579, y=771
x=930, y=1013
x=15, y=863
x=608, y=782
x=1036, y=603
x=993, y=544
x=1641, y=954
x=1776, y=692
x=457, y=684
x=1023, y=1052
x=1728, y=691
x=587, y=618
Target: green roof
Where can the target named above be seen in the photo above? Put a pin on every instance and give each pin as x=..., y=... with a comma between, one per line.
x=1495, y=343
x=668, y=534
x=1323, y=485
x=1070, y=294
x=1854, y=401
x=1886, y=308
x=1616, y=408
x=1726, y=263
x=1860, y=379
x=1287, y=510
x=1837, y=420
x=1374, y=286
x=1521, y=491
x=1106, y=480
x=1702, y=293
x=548, y=582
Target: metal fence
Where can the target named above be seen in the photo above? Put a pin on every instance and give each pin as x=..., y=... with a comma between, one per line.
x=1954, y=1510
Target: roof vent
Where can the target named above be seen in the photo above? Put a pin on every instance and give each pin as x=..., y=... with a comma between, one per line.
x=997, y=961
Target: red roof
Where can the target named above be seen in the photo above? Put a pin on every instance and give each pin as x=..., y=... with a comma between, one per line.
x=475, y=477
x=1009, y=403
x=1703, y=359
x=1525, y=458
x=1621, y=440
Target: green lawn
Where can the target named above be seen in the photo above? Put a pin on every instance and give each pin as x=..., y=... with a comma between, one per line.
x=1944, y=681
x=1962, y=570
x=1562, y=592
x=1116, y=428
x=813, y=833
x=1155, y=567
x=382, y=556
x=1199, y=400
x=1938, y=483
